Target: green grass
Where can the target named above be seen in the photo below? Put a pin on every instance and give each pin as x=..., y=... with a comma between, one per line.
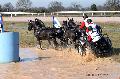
x=113, y=30
x=27, y=38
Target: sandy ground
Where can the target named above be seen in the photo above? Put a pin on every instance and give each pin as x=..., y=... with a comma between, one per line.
x=54, y=64
x=49, y=19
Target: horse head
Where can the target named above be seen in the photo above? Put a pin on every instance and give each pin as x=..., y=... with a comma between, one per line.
x=30, y=25
x=36, y=21
x=39, y=23
x=64, y=23
x=71, y=23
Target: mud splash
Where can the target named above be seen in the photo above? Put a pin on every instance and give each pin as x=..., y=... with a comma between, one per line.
x=27, y=55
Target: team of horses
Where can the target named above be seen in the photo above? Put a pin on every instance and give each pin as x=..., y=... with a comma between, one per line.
x=69, y=34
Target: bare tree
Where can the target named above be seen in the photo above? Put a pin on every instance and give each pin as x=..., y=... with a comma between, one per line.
x=86, y=9
x=112, y=5
x=74, y=6
x=0, y=8
x=38, y=9
x=93, y=7
x=55, y=6
x=101, y=8
x=8, y=7
x=23, y=4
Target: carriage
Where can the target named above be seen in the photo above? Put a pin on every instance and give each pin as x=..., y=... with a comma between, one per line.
x=70, y=34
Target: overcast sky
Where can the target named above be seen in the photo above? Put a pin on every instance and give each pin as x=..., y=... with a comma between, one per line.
x=44, y=3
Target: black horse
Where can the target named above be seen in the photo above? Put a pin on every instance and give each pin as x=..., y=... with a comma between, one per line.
x=57, y=32
x=39, y=23
x=42, y=34
x=70, y=24
x=72, y=32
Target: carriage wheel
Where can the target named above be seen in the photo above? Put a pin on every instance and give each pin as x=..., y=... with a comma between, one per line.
x=109, y=45
x=89, y=47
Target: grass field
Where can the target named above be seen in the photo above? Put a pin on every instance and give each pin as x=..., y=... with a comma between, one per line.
x=26, y=37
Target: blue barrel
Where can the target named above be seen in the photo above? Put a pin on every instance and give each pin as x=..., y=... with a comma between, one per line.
x=9, y=47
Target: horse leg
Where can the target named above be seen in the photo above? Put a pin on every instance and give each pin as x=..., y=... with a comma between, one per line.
x=70, y=41
x=42, y=46
x=66, y=42
x=49, y=41
x=55, y=43
x=40, y=43
x=62, y=42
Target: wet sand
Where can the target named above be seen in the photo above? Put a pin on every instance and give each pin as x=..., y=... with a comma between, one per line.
x=52, y=64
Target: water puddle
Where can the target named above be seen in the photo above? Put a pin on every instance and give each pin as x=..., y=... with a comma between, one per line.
x=27, y=55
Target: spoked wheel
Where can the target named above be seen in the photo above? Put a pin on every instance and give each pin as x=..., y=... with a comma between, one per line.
x=109, y=46
x=89, y=47
x=97, y=52
x=109, y=42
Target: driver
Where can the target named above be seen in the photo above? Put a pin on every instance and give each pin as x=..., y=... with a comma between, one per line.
x=39, y=23
x=92, y=31
x=90, y=28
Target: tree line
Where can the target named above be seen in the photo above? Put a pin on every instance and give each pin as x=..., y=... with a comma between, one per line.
x=54, y=6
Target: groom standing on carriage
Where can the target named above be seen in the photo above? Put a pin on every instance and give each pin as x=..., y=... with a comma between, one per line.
x=90, y=28
x=56, y=24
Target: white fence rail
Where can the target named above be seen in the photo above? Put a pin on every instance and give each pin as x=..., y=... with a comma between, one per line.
x=14, y=14
x=91, y=13
x=65, y=13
